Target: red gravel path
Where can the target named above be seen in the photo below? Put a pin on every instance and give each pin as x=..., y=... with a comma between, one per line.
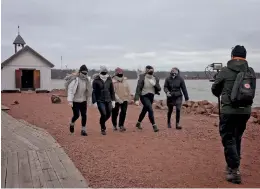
x=192, y=157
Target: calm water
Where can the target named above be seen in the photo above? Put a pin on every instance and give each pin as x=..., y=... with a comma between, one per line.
x=197, y=89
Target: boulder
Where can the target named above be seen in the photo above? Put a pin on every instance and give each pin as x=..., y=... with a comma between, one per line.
x=185, y=104
x=203, y=102
x=216, y=123
x=158, y=106
x=209, y=106
x=55, y=99
x=214, y=115
x=201, y=110
x=188, y=110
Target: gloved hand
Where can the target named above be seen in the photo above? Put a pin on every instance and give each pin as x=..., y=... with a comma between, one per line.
x=113, y=104
x=137, y=103
x=152, y=81
x=95, y=105
x=168, y=94
x=71, y=104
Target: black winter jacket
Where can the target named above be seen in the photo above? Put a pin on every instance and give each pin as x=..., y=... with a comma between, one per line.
x=102, y=91
x=224, y=83
x=176, y=86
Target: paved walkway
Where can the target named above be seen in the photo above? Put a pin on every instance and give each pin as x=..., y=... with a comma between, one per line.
x=31, y=158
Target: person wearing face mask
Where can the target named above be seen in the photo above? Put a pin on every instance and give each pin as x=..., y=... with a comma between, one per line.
x=147, y=86
x=123, y=96
x=103, y=96
x=79, y=92
x=175, y=87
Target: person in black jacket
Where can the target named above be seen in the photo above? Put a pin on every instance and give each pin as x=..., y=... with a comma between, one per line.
x=104, y=96
x=147, y=86
x=175, y=88
x=234, y=117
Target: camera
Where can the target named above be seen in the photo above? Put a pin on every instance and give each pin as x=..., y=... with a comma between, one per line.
x=212, y=70
x=216, y=66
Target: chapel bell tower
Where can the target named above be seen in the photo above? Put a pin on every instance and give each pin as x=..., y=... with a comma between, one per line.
x=18, y=42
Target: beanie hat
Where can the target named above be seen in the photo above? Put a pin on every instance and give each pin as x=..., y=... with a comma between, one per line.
x=239, y=51
x=148, y=67
x=103, y=69
x=118, y=71
x=83, y=68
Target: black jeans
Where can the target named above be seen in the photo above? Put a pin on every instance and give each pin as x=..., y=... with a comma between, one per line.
x=79, y=107
x=231, y=129
x=178, y=112
x=122, y=116
x=147, y=101
x=105, y=109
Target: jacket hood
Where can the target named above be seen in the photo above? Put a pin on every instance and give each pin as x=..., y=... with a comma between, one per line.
x=177, y=70
x=238, y=65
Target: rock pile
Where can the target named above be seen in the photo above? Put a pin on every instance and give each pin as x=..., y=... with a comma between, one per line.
x=55, y=99
x=205, y=107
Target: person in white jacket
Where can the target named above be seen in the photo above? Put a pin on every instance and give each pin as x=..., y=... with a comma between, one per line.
x=79, y=93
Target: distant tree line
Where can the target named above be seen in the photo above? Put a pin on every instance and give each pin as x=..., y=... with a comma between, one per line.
x=61, y=74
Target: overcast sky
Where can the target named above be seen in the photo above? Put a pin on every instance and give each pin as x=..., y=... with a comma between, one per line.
x=131, y=34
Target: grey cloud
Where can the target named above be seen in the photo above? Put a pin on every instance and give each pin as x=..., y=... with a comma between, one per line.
x=133, y=33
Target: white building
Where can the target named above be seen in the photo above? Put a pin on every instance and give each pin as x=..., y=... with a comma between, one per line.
x=25, y=70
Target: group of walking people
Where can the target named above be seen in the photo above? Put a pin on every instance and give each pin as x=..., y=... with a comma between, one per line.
x=235, y=84
x=112, y=94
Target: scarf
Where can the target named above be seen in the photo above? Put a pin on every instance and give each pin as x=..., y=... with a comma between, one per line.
x=120, y=79
x=103, y=77
x=83, y=77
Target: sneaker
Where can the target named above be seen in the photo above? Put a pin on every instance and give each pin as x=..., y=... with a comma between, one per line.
x=122, y=129
x=138, y=126
x=71, y=128
x=169, y=125
x=103, y=132
x=84, y=133
x=178, y=126
x=233, y=176
x=114, y=128
x=155, y=128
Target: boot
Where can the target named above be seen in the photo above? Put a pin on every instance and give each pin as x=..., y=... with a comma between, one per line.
x=71, y=128
x=233, y=176
x=138, y=126
x=155, y=128
x=84, y=133
x=169, y=125
x=122, y=129
x=114, y=128
x=103, y=132
x=178, y=126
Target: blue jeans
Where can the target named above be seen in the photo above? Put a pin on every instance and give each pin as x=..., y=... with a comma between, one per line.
x=105, y=109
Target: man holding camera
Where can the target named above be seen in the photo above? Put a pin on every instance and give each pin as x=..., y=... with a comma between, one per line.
x=236, y=85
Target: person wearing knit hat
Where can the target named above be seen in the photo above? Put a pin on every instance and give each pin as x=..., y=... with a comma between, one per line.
x=235, y=84
x=103, y=96
x=78, y=87
x=147, y=86
x=123, y=97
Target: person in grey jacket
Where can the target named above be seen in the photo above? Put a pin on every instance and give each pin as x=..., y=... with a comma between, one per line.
x=79, y=93
x=175, y=88
x=147, y=86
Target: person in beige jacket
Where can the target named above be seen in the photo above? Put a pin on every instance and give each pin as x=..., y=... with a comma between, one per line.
x=123, y=97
